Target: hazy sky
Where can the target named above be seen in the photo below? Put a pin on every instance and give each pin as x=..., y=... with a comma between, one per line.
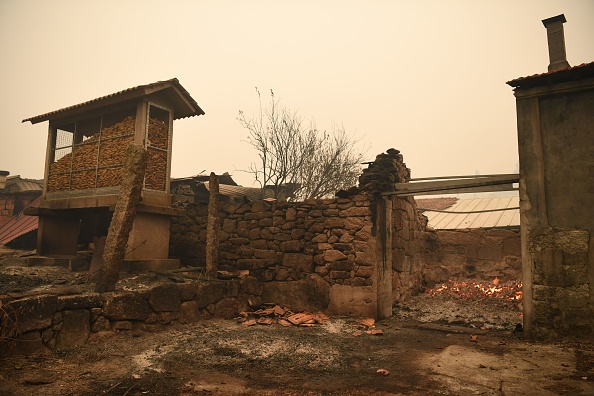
x=425, y=77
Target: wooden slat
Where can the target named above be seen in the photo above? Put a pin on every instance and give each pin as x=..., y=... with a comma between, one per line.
x=441, y=186
x=465, y=190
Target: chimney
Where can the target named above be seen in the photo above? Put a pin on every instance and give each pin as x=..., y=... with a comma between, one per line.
x=556, y=40
x=3, y=175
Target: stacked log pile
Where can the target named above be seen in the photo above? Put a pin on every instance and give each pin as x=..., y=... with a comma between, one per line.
x=98, y=161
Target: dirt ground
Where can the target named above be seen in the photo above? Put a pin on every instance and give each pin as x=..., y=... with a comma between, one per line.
x=432, y=345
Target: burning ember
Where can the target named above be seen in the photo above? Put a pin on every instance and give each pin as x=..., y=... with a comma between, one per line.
x=469, y=290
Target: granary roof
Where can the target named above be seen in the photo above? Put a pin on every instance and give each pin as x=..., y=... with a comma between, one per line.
x=584, y=70
x=184, y=105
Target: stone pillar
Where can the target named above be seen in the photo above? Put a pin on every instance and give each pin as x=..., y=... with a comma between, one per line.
x=123, y=217
x=384, y=257
x=212, y=227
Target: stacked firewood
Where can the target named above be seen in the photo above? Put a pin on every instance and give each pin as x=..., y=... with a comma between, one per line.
x=272, y=313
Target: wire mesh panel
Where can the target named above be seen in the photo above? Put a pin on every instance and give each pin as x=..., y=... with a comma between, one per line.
x=117, y=134
x=61, y=158
x=90, y=153
x=157, y=145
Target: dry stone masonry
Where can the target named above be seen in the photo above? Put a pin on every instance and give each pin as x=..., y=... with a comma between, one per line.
x=481, y=254
x=328, y=247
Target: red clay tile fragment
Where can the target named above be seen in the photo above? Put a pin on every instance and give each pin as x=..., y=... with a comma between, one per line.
x=284, y=322
x=357, y=333
x=249, y=322
x=369, y=322
x=375, y=332
x=383, y=372
x=322, y=316
x=264, y=320
x=278, y=310
x=299, y=318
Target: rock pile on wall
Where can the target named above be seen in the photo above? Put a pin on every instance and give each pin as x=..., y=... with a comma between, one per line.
x=387, y=169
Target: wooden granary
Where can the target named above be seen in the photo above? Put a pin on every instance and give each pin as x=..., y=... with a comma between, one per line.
x=84, y=165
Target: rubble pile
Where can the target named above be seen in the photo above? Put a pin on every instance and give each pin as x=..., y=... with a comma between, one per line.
x=275, y=314
x=387, y=169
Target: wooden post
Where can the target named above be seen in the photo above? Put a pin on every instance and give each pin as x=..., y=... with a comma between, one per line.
x=212, y=227
x=123, y=218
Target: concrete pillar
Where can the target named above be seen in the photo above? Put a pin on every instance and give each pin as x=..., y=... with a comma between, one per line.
x=123, y=217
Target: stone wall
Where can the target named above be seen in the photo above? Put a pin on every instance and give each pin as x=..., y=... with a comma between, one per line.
x=480, y=254
x=36, y=323
x=282, y=241
x=311, y=241
x=330, y=246
x=411, y=247
x=555, y=124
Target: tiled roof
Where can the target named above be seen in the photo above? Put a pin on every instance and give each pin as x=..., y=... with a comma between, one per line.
x=126, y=94
x=19, y=225
x=580, y=71
x=435, y=203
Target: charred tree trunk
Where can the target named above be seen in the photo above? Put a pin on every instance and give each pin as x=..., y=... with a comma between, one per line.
x=212, y=228
x=123, y=217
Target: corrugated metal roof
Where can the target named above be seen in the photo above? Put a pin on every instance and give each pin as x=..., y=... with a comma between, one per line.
x=16, y=184
x=127, y=94
x=483, y=216
x=584, y=70
x=435, y=203
x=19, y=225
x=252, y=193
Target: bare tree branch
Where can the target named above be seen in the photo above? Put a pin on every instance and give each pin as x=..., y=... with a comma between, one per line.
x=298, y=161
